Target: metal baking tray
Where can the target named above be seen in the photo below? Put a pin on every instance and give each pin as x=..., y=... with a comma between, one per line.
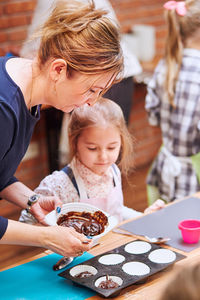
x=128, y=264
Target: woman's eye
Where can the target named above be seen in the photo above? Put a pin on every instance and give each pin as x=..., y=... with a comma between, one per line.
x=92, y=91
x=111, y=148
x=92, y=149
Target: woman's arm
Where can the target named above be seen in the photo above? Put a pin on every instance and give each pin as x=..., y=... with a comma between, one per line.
x=62, y=240
x=18, y=194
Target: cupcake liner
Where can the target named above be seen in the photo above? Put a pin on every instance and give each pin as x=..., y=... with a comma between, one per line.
x=137, y=247
x=136, y=268
x=162, y=256
x=111, y=259
x=82, y=268
x=116, y=279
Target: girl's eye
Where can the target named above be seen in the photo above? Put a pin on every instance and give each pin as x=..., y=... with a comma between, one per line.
x=92, y=91
x=92, y=149
x=111, y=148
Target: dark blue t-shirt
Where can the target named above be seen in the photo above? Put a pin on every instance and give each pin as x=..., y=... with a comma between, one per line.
x=3, y=226
x=16, y=127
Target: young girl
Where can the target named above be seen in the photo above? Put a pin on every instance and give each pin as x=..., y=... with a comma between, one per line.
x=173, y=103
x=99, y=141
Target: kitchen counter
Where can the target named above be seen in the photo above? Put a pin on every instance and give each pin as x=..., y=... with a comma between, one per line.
x=154, y=285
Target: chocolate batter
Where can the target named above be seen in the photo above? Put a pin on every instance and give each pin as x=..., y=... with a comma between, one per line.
x=90, y=224
x=84, y=274
x=108, y=284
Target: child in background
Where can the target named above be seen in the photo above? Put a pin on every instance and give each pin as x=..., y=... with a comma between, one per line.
x=184, y=285
x=99, y=141
x=173, y=103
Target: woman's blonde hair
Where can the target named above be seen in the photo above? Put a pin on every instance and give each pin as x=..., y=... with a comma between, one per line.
x=180, y=28
x=105, y=112
x=84, y=37
x=184, y=285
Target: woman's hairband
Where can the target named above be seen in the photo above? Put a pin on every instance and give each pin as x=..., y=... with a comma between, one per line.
x=178, y=6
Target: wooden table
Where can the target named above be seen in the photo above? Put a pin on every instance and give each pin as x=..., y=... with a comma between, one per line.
x=155, y=283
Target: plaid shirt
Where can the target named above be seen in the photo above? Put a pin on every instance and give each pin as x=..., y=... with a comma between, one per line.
x=180, y=126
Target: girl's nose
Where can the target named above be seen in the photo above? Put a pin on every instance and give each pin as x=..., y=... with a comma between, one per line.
x=103, y=155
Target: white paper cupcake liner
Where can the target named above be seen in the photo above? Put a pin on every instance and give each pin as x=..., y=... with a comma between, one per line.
x=137, y=247
x=82, y=268
x=116, y=279
x=136, y=268
x=162, y=256
x=111, y=259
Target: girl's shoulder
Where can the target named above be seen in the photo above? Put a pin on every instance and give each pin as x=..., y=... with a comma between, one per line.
x=161, y=66
x=116, y=169
x=54, y=177
x=158, y=75
x=190, y=60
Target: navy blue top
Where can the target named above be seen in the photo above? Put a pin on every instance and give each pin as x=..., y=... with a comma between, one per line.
x=16, y=128
x=3, y=226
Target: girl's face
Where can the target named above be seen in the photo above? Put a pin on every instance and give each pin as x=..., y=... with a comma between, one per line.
x=73, y=91
x=98, y=148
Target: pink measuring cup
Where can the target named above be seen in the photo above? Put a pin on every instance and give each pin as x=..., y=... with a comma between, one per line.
x=190, y=230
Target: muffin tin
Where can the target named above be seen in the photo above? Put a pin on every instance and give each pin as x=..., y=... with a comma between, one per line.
x=126, y=265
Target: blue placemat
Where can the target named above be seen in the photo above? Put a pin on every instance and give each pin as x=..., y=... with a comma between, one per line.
x=36, y=280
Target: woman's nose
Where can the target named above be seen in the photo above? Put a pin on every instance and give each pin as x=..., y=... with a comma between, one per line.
x=91, y=101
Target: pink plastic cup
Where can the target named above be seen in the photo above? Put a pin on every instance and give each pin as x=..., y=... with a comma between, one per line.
x=190, y=230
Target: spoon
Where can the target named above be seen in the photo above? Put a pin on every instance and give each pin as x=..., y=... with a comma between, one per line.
x=153, y=240
x=62, y=263
x=158, y=240
x=65, y=261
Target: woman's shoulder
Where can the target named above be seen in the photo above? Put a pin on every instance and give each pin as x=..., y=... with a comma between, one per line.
x=8, y=88
x=5, y=78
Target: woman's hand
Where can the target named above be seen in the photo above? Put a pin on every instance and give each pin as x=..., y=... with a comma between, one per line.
x=66, y=241
x=43, y=206
x=62, y=240
x=158, y=204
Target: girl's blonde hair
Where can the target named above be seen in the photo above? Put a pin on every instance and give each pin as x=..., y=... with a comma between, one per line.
x=105, y=112
x=84, y=37
x=180, y=28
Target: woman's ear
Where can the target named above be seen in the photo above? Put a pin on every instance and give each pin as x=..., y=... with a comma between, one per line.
x=58, y=68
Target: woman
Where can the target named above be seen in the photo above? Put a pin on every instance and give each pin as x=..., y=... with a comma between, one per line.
x=78, y=59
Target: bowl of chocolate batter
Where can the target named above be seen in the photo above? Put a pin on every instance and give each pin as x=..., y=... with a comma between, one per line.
x=84, y=218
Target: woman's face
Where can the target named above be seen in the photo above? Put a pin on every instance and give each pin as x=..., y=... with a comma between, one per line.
x=98, y=148
x=77, y=89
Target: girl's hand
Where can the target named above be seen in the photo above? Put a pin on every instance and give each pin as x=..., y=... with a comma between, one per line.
x=43, y=206
x=158, y=204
